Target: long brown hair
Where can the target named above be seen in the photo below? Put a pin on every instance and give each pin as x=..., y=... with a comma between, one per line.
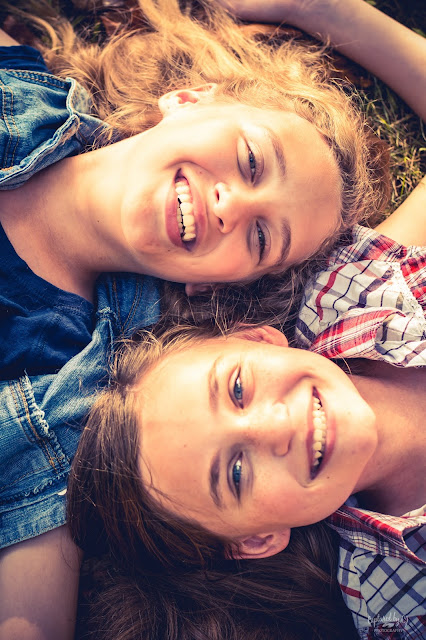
x=291, y=596
x=171, y=566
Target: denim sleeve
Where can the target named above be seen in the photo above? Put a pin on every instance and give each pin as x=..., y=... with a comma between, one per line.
x=22, y=57
x=43, y=119
x=41, y=417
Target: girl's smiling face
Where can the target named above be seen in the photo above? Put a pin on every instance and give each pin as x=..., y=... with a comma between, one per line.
x=231, y=430
x=260, y=191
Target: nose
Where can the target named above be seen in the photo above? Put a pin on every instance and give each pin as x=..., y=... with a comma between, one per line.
x=231, y=207
x=275, y=431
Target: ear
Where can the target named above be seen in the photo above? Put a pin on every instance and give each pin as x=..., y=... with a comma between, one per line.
x=173, y=100
x=196, y=289
x=264, y=333
x=262, y=545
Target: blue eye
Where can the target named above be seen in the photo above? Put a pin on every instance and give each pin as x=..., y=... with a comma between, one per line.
x=252, y=163
x=261, y=239
x=238, y=391
x=236, y=475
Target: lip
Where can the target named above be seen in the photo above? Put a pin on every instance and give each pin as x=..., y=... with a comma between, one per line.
x=172, y=228
x=329, y=441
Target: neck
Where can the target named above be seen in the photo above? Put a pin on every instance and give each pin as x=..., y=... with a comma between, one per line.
x=63, y=223
x=394, y=480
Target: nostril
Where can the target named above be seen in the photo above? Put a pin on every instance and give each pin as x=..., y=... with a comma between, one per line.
x=220, y=223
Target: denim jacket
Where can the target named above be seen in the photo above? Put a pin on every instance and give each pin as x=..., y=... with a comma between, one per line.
x=35, y=133
x=41, y=416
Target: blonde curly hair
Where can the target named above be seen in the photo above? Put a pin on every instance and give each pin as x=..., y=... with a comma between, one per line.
x=184, y=44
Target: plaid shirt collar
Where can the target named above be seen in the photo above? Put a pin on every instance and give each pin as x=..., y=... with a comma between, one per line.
x=396, y=536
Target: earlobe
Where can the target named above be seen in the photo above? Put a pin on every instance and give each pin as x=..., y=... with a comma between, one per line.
x=263, y=333
x=170, y=102
x=262, y=545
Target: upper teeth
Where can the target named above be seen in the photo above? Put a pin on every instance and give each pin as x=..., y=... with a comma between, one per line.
x=320, y=430
x=185, y=210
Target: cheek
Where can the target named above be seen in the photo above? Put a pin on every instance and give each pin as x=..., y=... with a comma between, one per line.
x=224, y=264
x=231, y=260
x=283, y=502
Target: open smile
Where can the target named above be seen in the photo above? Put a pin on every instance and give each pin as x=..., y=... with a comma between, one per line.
x=185, y=213
x=185, y=210
x=318, y=440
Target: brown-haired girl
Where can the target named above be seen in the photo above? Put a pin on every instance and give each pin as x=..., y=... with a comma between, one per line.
x=209, y=447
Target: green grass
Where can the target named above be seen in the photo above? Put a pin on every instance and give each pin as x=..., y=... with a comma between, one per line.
x=390, y=117
x=405, y=133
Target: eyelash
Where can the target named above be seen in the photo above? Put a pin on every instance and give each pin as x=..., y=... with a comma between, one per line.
x=238, y=392
x=252, y=161
x=239, y=400
x=236, y=471
x=262, y=240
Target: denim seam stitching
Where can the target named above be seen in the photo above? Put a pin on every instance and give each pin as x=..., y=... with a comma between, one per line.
x=25, y=475
x=7, y=118
x=38, y=77
x=136, y=299
x=135, y=304
x=117, y=306
x=15, y=401
x=43, y=445
x=26, y=494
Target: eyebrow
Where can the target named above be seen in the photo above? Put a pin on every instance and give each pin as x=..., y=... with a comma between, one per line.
x=278, y=150
x=213, y=385
x=285, y=248
x=214, y=478
x=214, y=474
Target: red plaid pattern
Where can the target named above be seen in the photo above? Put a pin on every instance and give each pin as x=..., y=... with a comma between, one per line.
x=369, y=302
x=382, y=571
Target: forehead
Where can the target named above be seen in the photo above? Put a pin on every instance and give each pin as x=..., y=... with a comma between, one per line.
x=173, y=397
x=299, y=147
x=192, y=355
x=275, y=119
x=177, y=387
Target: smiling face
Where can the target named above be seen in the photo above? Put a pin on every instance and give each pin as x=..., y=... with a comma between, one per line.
x=258, y=189
x=231, y=431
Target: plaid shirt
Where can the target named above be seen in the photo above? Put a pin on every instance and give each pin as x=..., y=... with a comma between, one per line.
x=369, y=302
x=382, y=571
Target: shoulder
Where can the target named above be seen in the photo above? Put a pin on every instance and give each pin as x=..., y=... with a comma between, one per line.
x=364, y=243
x=22, y=57
x=371, y=290
x=133, y=299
